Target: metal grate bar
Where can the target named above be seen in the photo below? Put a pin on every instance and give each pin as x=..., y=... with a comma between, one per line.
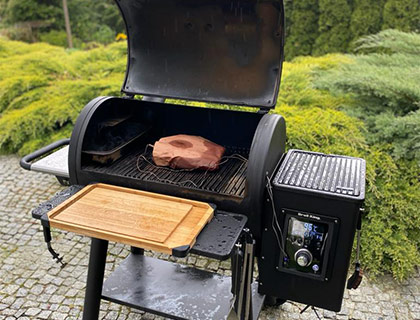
x=229, y=179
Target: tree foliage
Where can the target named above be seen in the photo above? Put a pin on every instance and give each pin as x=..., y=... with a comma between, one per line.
x=403, y=15
x=313, y=27
x=334, y=23
x=366, y=18
x=301, y=37
x=31, y=10
x=91, y=21
x=343, y=21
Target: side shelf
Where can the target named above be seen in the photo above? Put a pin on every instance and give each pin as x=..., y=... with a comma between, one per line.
x=44, y=161
x=57, y=199
x=216, y=240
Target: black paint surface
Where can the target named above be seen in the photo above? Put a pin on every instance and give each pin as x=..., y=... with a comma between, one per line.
x=220, y=235
x=172, y=290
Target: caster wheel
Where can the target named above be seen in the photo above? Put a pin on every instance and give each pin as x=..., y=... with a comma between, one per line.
x=271, y=301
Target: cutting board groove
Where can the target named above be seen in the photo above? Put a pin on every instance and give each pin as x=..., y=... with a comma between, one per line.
x=138, y=218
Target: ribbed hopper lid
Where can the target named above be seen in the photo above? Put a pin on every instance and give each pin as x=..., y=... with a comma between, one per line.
x=330, y=174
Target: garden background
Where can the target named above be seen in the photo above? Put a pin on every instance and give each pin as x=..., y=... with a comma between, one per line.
x=358, y=94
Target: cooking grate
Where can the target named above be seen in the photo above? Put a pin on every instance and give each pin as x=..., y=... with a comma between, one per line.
x=229, y=179
x=322, y=172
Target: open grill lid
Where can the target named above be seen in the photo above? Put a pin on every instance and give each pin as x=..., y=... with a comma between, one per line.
x=205, y=50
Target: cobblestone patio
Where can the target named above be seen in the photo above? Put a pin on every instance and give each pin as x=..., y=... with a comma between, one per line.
x=32, y=286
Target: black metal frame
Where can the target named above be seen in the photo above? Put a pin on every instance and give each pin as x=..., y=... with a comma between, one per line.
x=225, y=236
x=241, y=286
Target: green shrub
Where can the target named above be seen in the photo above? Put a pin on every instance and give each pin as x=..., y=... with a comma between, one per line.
x=380, y=87
x=385, y=90
x=59, y=38
x=104, y=35
x=390, y=41
x=43, y=88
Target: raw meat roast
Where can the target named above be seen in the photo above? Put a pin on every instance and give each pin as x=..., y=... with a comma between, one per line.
x=187, y=152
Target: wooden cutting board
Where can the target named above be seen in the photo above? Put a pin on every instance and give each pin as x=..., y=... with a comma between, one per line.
x=138, y=218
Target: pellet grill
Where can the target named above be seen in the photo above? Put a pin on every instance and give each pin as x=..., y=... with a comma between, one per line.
x=295, y=212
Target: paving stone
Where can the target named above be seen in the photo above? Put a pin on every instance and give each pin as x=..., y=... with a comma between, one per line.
x=32, y=312
x=33, y=286
x=213, y=266
x=45, y=314
x=201, y=263
x=59, y=316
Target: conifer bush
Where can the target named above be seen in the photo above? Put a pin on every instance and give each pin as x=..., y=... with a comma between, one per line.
x=334, y=23
x=43, y=88
x=385, y=86
x=403, y=15
x=302, y=35
x=366, y=17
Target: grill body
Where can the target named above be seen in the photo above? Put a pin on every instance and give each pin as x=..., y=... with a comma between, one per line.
x=216, y=52
x=238, y=185
x=223, y=52
x=317, y=200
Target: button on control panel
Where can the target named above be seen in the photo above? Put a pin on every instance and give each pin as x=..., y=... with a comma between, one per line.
x=303, y=257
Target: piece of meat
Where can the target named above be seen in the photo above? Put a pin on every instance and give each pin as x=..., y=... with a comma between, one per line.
x=187, y=152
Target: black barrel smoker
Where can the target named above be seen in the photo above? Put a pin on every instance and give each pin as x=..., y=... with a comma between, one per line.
x=296, y=213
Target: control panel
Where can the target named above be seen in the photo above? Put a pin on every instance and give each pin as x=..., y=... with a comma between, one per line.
x=307, y=241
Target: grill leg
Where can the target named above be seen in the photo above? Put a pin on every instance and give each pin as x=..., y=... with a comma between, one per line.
x=135, y=250
x=244, y=278
x=95, y=279
x=236, y=262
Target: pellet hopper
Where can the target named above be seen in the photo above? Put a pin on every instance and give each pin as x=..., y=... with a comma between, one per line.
x=295, y=213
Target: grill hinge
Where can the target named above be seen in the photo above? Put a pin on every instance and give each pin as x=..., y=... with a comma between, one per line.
x=153, y=99
x=263, y=110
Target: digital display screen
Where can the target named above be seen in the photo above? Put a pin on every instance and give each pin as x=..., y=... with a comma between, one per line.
x=307, y=230
x=314, y=231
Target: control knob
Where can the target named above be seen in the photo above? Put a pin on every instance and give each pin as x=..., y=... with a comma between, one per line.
x=303, y=257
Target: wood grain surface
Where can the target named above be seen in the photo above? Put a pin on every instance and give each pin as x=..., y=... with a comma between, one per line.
x=138, y=218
